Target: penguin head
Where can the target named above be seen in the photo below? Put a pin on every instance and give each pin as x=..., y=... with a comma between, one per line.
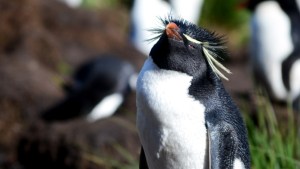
x=187, y=48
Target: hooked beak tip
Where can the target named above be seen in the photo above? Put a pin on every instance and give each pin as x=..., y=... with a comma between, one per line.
x=172, y=31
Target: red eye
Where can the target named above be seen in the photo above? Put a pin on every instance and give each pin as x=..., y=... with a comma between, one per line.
x=191, y=46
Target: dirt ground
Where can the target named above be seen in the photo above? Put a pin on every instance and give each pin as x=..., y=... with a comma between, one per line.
x=41, y=43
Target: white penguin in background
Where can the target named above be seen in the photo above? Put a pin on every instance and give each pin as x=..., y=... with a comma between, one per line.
x=72, y=3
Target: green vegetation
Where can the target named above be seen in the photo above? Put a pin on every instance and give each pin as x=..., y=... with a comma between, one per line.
x=274, y=142
x=102, y=160
x=227, y=15
x=100, y=4
x=227, y=18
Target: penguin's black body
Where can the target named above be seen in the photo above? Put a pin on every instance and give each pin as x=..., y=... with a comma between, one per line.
x=275, y=47
x=106, y=76
x=185, y=118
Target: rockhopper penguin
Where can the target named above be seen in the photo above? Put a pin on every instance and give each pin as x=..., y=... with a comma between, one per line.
x=185, y=118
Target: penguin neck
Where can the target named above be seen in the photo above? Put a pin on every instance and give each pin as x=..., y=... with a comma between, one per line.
x=204, y=86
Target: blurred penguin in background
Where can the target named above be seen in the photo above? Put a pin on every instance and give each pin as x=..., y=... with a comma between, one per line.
x=145, y=14
x=72, y=3
x=97, y=90
x=275, y=27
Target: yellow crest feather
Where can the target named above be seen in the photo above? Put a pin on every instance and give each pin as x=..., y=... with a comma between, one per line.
x=210, y=56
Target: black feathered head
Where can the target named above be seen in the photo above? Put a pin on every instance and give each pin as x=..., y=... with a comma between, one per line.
x=185, y=47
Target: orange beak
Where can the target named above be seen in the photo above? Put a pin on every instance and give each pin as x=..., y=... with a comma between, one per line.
x=172, y=31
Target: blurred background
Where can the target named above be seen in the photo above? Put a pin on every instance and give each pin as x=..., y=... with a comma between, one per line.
x=52, y=78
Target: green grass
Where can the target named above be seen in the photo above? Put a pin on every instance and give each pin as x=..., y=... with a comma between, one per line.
x=104, y=161
x=274, y=143
x=225, y=14
x=101, y=4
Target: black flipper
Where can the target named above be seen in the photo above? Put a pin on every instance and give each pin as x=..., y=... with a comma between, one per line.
x=222, y=145
x=143, y=161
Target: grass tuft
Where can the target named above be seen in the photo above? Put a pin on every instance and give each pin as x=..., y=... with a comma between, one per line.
x=274, y=143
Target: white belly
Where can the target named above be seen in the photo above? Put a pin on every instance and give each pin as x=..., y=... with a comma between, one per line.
x=170, y=122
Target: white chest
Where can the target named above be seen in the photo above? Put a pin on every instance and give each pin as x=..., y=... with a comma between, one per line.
x=170, y=122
